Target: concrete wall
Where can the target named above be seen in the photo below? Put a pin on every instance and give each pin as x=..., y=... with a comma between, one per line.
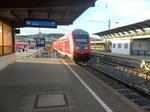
x=122, y=49
x=6, y=60
x=141, y=45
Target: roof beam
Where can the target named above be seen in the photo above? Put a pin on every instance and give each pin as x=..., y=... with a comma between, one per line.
x=45, y=3
x=49, y=14
x=65, y=14
x=79, y=13
x=30, y=14
x=15, y=15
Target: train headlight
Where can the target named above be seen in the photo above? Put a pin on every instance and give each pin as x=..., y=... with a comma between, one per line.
x=86, y=47
x=77, y=47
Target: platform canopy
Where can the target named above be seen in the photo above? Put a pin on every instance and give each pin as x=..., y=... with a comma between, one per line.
x=128, y=29
x=62, y=11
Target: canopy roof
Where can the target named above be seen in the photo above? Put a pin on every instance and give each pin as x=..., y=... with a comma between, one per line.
x=62, y=11
x=126, y=29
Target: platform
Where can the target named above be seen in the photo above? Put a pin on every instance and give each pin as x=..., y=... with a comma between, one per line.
x=27, y=54
x=48, y=85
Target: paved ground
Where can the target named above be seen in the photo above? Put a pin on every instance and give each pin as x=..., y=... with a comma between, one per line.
x=21, y=83
x=29, y=53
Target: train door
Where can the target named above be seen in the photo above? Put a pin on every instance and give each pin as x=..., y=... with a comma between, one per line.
x=63, y=47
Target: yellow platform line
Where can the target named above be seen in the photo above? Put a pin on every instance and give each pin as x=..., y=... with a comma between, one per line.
x=39, y=61
x=135, y=72
x=142, y=70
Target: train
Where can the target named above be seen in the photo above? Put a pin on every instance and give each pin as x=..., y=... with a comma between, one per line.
x=75, y=45
x=21, y=45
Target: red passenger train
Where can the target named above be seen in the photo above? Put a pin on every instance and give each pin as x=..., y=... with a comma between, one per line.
x=75, y=45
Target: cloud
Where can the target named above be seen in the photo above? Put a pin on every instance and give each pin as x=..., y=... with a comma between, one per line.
x=128, y=8
x=126, y=11
x=97, y=17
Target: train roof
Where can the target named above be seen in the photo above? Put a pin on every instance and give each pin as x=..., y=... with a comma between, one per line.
x=75, y=32
x=80, y=31
x=23, y=43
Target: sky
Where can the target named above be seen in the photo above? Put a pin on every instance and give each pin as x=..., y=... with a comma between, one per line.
x=96, y=19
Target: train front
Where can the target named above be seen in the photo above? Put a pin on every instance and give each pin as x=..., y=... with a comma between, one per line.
x=82, y=48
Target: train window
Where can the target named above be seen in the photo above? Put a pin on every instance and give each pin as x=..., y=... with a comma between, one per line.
x=81, y=40
x=126, y=45
x=81, y=36
x=119, y=45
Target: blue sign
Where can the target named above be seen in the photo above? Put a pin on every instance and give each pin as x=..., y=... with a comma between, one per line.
x=40, y=42
x=40, y=23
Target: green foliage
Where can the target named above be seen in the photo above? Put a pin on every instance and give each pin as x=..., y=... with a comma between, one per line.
x=40, y=35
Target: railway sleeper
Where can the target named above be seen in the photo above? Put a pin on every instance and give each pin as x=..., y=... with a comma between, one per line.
x=141, y=103
x=147, y=107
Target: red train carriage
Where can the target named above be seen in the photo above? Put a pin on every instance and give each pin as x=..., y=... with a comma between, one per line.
x=21, y=44
x=76, y=45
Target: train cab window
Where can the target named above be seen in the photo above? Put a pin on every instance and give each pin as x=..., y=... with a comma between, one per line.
x=125, y=45
x=81, y=40
x=119, y=45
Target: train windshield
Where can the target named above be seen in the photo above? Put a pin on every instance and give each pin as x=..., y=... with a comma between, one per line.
x=81, y=40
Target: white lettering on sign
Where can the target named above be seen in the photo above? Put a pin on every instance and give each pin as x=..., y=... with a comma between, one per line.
x=39, y=41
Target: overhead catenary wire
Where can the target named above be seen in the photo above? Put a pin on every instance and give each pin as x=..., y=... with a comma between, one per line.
x=131, y=15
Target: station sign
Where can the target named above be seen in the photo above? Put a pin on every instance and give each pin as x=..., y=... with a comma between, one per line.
x=40, y=42
x=40, y=23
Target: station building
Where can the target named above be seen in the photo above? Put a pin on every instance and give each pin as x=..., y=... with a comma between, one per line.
x=132, y=39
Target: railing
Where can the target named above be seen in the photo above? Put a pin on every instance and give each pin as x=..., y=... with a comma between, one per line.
x=101, y=48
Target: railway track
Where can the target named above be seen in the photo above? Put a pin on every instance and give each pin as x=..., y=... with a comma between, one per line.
x=120, y=80
x=139, y=97
x=137, y=71
x=125, y=67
